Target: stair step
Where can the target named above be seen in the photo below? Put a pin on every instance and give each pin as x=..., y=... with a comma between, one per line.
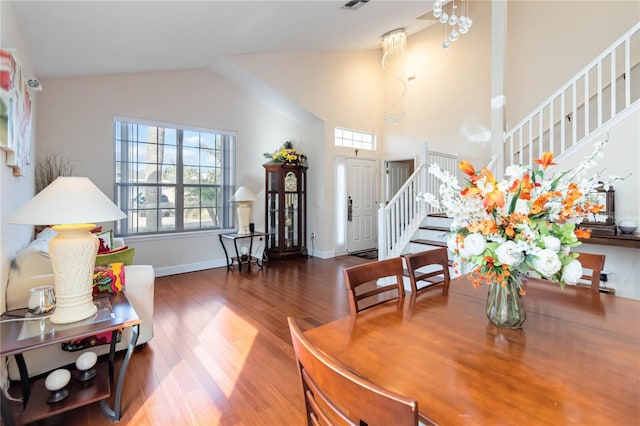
x=430, y=242
x=435, y=228
x=437, y=214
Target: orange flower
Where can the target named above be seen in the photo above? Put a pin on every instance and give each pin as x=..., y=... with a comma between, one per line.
x=485, y=226
x=494, y=197
x=545, y=161
x=525, y=187
x=467, y=168
x=582, y=233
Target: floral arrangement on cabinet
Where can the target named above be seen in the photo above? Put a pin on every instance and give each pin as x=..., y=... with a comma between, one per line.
x=287, y=154
x=526, y=222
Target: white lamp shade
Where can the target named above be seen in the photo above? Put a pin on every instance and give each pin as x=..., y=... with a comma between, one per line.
x=244, y=194
x=68, y=200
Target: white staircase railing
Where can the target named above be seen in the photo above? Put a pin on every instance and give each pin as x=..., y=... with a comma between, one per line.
x=599, y=92
x=400, y=218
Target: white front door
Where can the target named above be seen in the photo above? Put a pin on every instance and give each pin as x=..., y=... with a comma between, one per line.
x=362, y=207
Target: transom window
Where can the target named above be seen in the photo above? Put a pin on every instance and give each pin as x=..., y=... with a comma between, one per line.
x=171, y=178
x=354, y=139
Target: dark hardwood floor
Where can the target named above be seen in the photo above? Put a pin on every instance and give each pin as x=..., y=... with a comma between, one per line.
x=221, y=353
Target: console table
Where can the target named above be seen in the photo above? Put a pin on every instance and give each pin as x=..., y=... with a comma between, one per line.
x=248, y=258
x=17, y=337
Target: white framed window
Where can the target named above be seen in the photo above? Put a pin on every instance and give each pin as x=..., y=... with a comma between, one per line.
x=171, y=178
x=354, y=139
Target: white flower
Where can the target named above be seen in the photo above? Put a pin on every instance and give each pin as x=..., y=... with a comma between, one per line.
x=551, y=242
x=516, y=171
x=429, y=199
x=572, y=272
x=474, y=244
x=509, y=253
x=546, y=262
x=452, y=243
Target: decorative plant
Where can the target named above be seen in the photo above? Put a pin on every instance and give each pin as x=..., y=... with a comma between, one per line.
x=286, y=154
x=526, y=222
x=50, y=168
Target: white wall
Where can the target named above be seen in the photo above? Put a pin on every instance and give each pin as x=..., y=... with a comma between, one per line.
x=14, y=190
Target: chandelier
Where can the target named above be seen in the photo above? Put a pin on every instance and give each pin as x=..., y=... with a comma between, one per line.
x=394, y=44
x=457, y=22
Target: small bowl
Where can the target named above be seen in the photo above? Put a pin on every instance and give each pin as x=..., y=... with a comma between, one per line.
x=627, y=226
x=627, y=229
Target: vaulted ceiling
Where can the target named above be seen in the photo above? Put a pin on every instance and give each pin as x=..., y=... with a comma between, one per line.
x=82, y=38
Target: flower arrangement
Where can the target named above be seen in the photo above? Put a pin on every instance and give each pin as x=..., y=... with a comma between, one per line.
x=287, y=154
x=526, y=222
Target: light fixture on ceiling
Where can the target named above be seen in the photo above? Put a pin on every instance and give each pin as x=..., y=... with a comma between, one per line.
x=455, y=18
x=394, y=44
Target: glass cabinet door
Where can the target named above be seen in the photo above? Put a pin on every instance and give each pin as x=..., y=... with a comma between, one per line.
x=291, y=220
x=291, y=210
x=272, y=220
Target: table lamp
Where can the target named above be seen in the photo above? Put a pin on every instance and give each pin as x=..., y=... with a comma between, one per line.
x=71, y=204
x=243, y=198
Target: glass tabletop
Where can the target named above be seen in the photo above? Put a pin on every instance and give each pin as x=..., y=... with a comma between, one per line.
x=37, y=325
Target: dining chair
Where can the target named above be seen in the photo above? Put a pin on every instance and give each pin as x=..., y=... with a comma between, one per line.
x=595, y=263
x=336, y=395
x=428, y=268
x=366, y=288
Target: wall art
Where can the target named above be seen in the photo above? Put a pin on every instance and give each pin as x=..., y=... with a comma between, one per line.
x=15, y=112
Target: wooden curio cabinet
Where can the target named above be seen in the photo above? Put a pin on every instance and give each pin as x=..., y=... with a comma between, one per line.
x=286, y=209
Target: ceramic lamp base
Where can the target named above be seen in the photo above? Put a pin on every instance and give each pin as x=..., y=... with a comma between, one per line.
x=73, y=253
x=244, y=216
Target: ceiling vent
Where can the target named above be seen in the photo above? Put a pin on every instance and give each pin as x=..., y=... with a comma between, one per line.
x=354, y=4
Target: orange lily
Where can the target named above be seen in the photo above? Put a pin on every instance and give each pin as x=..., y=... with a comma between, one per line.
x=494, y=197
x=546, y=160
x=467, y=168
x=582, y=233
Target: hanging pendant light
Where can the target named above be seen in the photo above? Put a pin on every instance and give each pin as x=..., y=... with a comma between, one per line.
x=455, y=18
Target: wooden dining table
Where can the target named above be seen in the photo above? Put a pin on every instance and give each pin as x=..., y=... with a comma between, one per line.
x=576, y=359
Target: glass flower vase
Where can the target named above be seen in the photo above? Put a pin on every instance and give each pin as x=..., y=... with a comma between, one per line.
x=505, y=305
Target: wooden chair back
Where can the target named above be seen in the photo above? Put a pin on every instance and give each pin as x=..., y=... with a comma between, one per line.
x=335, y=395
x=595, y=263
x=362, y=283
x=437, y=263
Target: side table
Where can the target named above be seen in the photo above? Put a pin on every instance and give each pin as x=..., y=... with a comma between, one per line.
x=249, y=258
x=17, y=337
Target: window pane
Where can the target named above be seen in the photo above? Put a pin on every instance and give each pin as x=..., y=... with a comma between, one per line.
x=191, y=156
x=168, y=174
x=208, y=157
x=191, y=175
x=191, y=138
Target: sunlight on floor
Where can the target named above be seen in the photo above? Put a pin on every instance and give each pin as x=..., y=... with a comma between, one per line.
x=225, y=343
x=227, y=327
